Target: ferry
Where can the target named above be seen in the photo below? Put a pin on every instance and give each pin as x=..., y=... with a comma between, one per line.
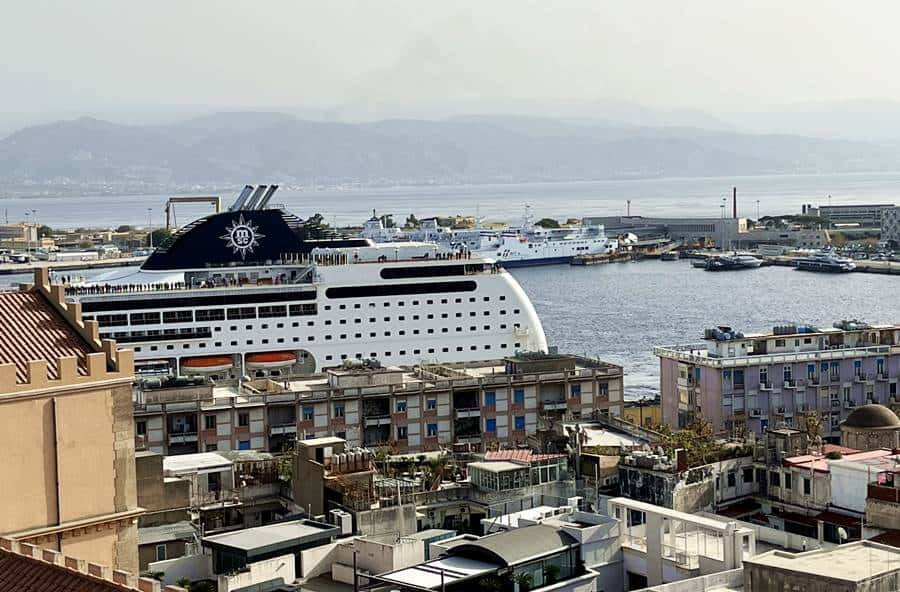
x=250, y=292
x=732, y=262
x=824, y=261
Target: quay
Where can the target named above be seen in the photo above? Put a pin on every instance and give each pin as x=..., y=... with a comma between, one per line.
x=13, y=268
x=646, y=249
x=862, y=266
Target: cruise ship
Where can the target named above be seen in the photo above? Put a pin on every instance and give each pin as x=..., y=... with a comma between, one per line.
x=250, y=292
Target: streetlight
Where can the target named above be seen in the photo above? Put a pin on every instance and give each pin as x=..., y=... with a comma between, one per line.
x=150, y=225
x=757, y=210
x=27, y=234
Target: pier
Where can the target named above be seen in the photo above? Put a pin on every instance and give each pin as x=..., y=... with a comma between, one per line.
x=862, y=265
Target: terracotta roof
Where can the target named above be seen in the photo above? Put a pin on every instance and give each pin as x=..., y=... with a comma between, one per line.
x=24, y=574
x=820, y=463
x=31, y=329
x=521, y=455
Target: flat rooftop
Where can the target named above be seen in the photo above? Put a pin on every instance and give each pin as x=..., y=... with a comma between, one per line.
x=199, y=462
x=498, y=466
x=851, y=562
x=446, y=569
x=273, y=536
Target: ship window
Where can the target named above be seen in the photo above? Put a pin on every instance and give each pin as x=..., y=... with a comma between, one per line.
x=516, y=311
x=112, y=320
x=415, y=303
x=309, y=338
x=372, y=334
x=248, y=327
x=202, y=345
x=264, y=326
x=502, y=346
x=444, y=329
x=443, y=315
x=387, y=319
x=294, y=324
x=487, y=298
x=357, y=321
x=170, y=347
x=343, y=356
x=387, y=333
x=415, y=331
x=518, y=345
x=212, y=314
x=356, y=305
x=343, y=307
x=401, y=318
x=242, y=313
x=399, y=289
x=431, y=350
x=310, y=323
x=473, y=347
x=459, y=329
x=329, y=357
x=343, y=336
x=417, y=351
x=281, y=340
x=431, y=316
x=487, y=327
x=459, y=348
x=503, y=312
x=473, y=313
x=327, y=307
x=232, y=328
x=503, y=325
x=420, y=271
x=429, y=302
x=218, y=344
x=372, y=319
x=402, y=352
x=328, y=338
x=269, y=312
x=234, y=343
x=249, y=342
x=430, y=331
x=194, y=302
x=458, y=300
x=297, y=310
x=487, y=346
x=401, y=332
x=471, y=299
x=342, y=322
x=445, y=349
x=327, y=321
x=459, y=315
x=144, y=318
x=358, y=356
x=415, y=317
x=443, y=301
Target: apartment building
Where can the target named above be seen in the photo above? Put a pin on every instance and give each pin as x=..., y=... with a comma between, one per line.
x=745, y=383
x=68, y=480
x=410, y=408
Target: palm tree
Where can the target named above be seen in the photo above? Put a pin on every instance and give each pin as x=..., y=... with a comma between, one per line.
x=524, y=581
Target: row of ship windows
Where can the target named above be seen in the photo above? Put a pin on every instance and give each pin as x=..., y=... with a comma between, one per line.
x=263, y=312
x=126, y=336
x=329, y=357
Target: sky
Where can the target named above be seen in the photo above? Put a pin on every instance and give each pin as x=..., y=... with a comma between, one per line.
x=360, y=60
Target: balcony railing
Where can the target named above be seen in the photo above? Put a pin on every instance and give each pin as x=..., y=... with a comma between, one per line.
x=884, y=493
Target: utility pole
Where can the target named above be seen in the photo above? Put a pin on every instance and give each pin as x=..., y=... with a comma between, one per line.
x=150, y=225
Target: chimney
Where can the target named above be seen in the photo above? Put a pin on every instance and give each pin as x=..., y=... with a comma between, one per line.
x=734, y=202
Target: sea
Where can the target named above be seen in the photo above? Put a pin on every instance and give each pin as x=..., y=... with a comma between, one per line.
x=617, y=312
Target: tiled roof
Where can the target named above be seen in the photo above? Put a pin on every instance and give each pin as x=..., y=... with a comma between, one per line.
x=24, y=574
x=31, y=329
x=520, y=455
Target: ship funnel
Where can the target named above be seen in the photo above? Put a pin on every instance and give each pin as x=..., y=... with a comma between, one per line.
x=239, y=202
x=265, y=198
x=251, y=203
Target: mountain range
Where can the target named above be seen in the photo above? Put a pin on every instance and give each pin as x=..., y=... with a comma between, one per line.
x=243, y=147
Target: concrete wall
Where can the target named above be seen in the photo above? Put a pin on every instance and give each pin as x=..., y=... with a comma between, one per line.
x=193, y=567
x=147, y=553
x=882, y=514
x=396, y=519
x=261, y=576
x=318, y=560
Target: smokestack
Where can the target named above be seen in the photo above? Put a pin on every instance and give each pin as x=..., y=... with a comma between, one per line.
x=734, y=202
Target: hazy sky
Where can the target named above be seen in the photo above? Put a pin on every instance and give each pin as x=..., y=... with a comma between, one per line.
x=362, y=58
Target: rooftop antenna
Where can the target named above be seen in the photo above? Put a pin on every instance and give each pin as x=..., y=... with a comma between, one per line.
x=239, y=202
x=628, y=208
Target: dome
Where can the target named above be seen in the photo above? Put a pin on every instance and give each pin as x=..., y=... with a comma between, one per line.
x=872, y=417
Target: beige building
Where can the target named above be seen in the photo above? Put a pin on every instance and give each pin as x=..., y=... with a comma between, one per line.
x=410, y=409
x=67, y=437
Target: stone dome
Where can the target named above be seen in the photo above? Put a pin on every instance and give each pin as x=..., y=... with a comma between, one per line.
x=872, y=417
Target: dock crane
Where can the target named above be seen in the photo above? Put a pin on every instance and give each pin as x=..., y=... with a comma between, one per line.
x=170, y=206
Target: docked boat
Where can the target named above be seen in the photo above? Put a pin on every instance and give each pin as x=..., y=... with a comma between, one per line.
x=256, y=291
x=826, y=262
x=669, y=256
x=732, y=262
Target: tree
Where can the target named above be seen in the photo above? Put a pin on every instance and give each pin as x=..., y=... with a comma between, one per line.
x=411, y=221
x=124, y=228
x=315, y=228
x=547, y=223
x=838, y=239
x=160, y=235
x=184, y=583
x=44, y=230
x=524, y=581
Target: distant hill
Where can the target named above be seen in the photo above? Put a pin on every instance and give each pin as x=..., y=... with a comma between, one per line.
x=245, y=147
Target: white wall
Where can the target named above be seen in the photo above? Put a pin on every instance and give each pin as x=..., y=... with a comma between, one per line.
x=192, y=567
x=317, y=561
x=262, y=575
x=849, y=485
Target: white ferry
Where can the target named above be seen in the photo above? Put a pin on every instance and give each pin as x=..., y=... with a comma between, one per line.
x=248, y=292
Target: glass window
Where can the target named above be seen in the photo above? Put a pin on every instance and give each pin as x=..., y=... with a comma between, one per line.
x=432, y=430
x=401, y=406
x=490, y=398
x=308, y=413
x=519, y=396
x=210, y=422
x=520, y=422
x=339, y=410
x=490, y=425
x=243, y=420
x=431, y=404
x=575, y=390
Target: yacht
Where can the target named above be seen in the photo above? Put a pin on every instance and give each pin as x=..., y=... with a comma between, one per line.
x=732, y=262
x=825, y=261
x=251, y=292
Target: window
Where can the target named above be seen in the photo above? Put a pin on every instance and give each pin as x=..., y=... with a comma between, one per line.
x=603, y=388
x=244, y=445
x=732, y=479
x=519, y=396
x=787, y=481
x=490, y=399
x=214, y=314
x=575, y=390
x=112, y=320
x=178, y=316
x=748, y=475
x=140, y=428
x=401, y=406
x=308, y=412
x=490, y=425
x=243, y=420
x=775, y=479
x=144, y=318
x=161, y=552
x=401, y=432
x=339, y=410
x=520, y=422
x=241, y=313
x=807, y=486
x=431, y=431
x=209, y=421
x=270, y=312
x=297, y=310
x=431, y=404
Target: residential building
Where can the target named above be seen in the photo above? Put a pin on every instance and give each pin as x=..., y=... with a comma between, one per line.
x=328, y=474
x=745, y=383
x=68, y=431
x=643, y=412
x=410, y=409
x=670, y=482
x=165, y=530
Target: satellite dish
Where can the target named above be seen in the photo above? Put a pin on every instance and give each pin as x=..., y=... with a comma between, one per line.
x=842, y=534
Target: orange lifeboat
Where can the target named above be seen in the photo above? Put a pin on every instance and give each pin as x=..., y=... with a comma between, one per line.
x=267, y=360
x=207, y=364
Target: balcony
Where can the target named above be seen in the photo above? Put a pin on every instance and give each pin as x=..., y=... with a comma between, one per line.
x=757, y=413
x=884, y=493
x=864, y=378
x=464, y=413
x=283, y=428
x=182, y=437
x=881, y=376
x=558, y=405
x=793, y=383
x=849, y=404
x=765, y=386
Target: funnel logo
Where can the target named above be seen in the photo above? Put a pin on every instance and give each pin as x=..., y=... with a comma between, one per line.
x=242, y=236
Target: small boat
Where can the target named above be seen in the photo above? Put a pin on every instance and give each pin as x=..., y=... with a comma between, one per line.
x=699, y=263
x=732, y=262
x=669, y=256
x=206, y=364
x=269, y=360
x=825, y=262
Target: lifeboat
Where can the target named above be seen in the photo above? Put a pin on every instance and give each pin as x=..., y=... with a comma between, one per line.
x=206, y=364
x=267, y=360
